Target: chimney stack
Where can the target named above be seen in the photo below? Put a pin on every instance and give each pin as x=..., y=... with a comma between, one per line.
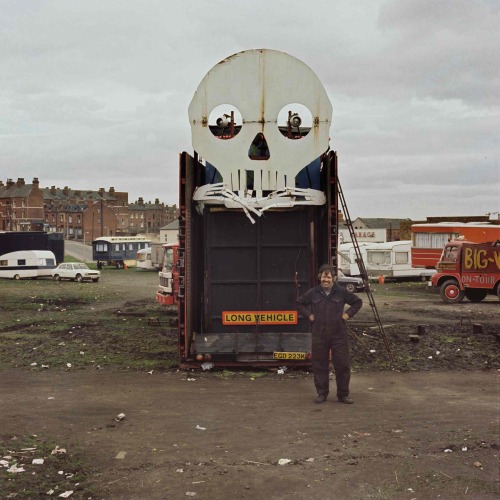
x=10, y=183
x=20, y=182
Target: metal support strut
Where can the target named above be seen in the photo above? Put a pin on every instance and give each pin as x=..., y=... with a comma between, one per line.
x=361, y=266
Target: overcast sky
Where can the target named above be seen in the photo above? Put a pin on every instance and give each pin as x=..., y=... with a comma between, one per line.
x=95, y=93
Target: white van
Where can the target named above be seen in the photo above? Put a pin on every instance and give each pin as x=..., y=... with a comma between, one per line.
x=27, y=264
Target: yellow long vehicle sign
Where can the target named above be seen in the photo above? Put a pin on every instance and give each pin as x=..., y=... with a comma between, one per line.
x=259, y=317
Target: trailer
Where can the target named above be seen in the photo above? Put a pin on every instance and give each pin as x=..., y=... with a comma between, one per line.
x=258, y=211
x=392, y=259
x=143, y=260
x=27, y=264
x=118, y=251
x=14, y=241
x=157, y=252
x=347, y=258
x=428, y=240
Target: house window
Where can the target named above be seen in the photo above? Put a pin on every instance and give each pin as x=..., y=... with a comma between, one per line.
x=78, y=219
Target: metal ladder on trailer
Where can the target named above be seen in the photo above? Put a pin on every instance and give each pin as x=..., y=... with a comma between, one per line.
x=361, y=266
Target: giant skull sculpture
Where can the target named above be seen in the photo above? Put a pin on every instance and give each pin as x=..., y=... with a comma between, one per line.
x=260, y=83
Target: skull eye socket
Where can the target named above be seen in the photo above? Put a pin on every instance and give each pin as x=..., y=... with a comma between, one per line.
x=225, y=121
x=294, y=121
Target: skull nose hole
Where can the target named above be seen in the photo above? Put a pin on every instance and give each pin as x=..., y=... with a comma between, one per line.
x=259, y=149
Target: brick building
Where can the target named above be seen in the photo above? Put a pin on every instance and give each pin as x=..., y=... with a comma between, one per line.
x=78, y=214
x=21, y=206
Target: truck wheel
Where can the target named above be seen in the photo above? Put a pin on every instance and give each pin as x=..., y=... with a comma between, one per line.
x=476, y=295
x=79, y=278
x=451, y=293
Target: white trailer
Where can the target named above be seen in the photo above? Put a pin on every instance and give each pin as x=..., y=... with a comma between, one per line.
x=157, y=255
x=143, y=260
x=347, y=258
x=27, y=264
x=393, y=260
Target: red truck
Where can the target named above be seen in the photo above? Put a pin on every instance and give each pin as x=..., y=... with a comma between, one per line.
x=169, y=275
x=469, y=270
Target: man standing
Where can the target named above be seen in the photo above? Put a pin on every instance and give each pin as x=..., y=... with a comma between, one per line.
x=324, y=306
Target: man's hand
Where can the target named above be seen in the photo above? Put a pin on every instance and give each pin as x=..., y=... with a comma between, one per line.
x=345, y=317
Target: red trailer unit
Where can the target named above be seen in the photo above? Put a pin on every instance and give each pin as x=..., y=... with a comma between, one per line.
x=429, y=239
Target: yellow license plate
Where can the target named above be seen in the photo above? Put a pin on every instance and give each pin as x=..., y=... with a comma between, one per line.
x=289, y=355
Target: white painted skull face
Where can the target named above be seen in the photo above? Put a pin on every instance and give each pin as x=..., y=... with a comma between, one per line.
x=261, y=85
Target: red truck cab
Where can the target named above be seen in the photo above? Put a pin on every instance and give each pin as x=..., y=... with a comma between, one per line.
x=468, y=269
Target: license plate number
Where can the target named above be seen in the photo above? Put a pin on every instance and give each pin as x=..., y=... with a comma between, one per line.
x=289, y=355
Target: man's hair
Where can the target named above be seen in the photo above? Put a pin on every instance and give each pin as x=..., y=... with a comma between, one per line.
x=326, y=268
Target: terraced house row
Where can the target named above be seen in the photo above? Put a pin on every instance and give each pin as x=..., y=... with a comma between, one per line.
x=79, y=214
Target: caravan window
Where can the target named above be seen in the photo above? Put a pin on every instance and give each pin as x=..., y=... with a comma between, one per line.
x=21, y=262
x=101, y=247
x=433, y=240
x=401, y=257
x=4, y=262
x=378, y=258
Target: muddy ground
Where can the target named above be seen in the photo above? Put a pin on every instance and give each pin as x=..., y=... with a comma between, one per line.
x=424, y=423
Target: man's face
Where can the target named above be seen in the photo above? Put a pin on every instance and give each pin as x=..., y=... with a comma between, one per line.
x=326, y=280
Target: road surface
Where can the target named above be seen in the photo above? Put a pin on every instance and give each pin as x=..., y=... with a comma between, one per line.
x=78, y=250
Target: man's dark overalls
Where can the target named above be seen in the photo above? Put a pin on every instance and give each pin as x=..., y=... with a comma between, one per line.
x=329, y=332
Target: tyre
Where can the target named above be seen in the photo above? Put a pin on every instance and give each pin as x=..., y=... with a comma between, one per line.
x=56, y=277
x=95, y=280
x=350, y=287
x=79, y=278
x=451, y=293
x=476, y=295
x=17, y=277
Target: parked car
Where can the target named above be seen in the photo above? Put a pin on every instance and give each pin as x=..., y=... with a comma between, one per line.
x=76, y=271
x=351, y=283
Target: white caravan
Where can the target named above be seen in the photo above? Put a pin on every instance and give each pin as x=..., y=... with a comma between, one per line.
x=27, y=264
x=347, y=258
x=143, y=259
x=393, y=260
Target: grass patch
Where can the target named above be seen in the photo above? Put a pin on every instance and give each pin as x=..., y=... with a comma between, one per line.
x=39, y=480
x=54, y=324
